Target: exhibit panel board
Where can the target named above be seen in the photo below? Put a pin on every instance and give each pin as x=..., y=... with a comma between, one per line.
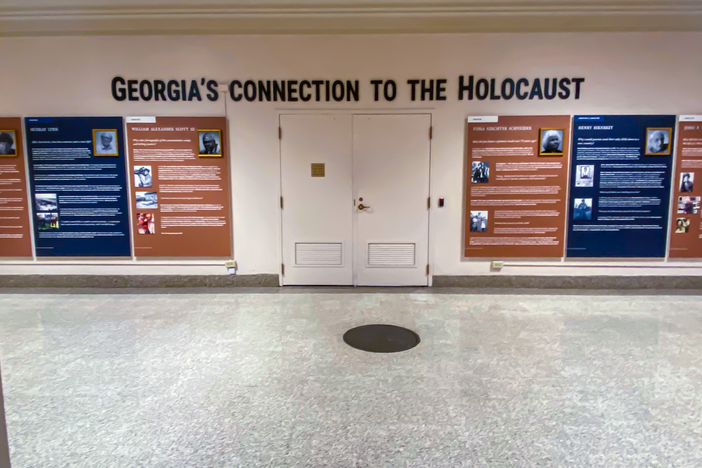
x=516, y=186
x=686, y=221
x=15, y=238
x=181, y=202
x=78, y=186
x=620, y=185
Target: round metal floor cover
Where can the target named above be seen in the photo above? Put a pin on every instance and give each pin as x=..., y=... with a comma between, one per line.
x=381, y=338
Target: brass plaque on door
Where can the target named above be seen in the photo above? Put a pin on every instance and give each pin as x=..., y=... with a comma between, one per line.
x=317, y=169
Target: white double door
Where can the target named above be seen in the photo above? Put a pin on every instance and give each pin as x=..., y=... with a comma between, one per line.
x=355, y=199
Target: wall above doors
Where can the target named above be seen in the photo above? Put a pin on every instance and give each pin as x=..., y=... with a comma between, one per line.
x=149, y=17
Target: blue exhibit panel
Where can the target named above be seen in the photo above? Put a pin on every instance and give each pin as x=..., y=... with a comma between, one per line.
x=78, y=181
x=620, y=185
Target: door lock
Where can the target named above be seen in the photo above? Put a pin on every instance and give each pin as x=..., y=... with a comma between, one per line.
x=362, y=207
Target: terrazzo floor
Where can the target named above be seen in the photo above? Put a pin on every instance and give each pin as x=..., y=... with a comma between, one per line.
x=150, y=379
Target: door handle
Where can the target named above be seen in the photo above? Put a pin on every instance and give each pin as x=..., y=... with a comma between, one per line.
x=362, y=207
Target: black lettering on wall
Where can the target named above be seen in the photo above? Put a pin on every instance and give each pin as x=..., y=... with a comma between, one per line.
x=564, y=85
x=441, y=89
x=212, y=90
x=232, y=90
x=578, y=82
x=278, y=90
x=413, y=93
x=146, y=90
x=264, y=90
x=352, y=91
x=194, y=91
x=250, y=90
x=465, y=88
x=118, y=92
x=390, y=90
x=507, y=94
x=160, y=90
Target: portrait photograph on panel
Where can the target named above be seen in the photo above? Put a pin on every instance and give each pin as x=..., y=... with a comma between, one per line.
x=682, y=226
x=688, y=205
x=478, y=221
x=480, y=172
x=551, y=142
x=146, y=223
x=687, y=181
x=146, y=200
x=142, y=176
x=46, y=201
x=47, y=221
x=658, y=141
x=584, y=175
x=8, y=143
x=105, y=142
x=582, y=211
x=210, y=143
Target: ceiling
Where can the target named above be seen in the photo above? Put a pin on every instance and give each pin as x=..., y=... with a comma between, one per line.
x=137, y=17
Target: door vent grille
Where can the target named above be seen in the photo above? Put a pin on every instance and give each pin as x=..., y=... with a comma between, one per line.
x=391, y=255
x=318, y=254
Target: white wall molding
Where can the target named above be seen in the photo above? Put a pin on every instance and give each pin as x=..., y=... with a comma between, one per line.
x=66, y=17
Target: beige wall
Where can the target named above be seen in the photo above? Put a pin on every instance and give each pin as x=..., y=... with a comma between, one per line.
x=625, y=73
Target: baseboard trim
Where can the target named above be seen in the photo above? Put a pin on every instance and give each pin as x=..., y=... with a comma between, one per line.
x=137, y=281
x=569, y=282
x=271, y=281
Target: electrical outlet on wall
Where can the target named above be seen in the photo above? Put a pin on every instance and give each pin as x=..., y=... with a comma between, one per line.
x=231, y=266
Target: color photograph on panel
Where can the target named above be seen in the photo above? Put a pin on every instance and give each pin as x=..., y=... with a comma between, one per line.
x=686, y=225
x=516, y=186
x=180, y=186
x=620, y=186
x=15, y=238
x=78, y=182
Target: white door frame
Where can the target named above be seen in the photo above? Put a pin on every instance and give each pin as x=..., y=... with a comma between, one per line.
x=399, y=111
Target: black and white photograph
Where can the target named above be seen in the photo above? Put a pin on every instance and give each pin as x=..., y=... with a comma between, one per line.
x=105, y=142
x=551, y=142
x=142, y=176
x=658, y=141
x=480, y=173
x=478, y=221
x=688, y=205
x=46, y=201
x=584, y=175
x=210, y=143
x=8, y=139
x=682, y=226
x=146, y=200
x=582, y=209
x=47, y=221
x=687, y=180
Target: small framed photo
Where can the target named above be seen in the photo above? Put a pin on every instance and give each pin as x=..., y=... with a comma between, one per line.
x=687, y=182
x=682, y=226
x=479, y=221
x=146, y=223
x=47, y=221
x=584, y=175
x=8, y=144
x=143, y=176
x=480, y=172
x=658, y=141
x=147, y=200
x=105, y=142
x=688, y=205
x=582, y=209
x=210, y=143
x=46, y=201
x=551, y=141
